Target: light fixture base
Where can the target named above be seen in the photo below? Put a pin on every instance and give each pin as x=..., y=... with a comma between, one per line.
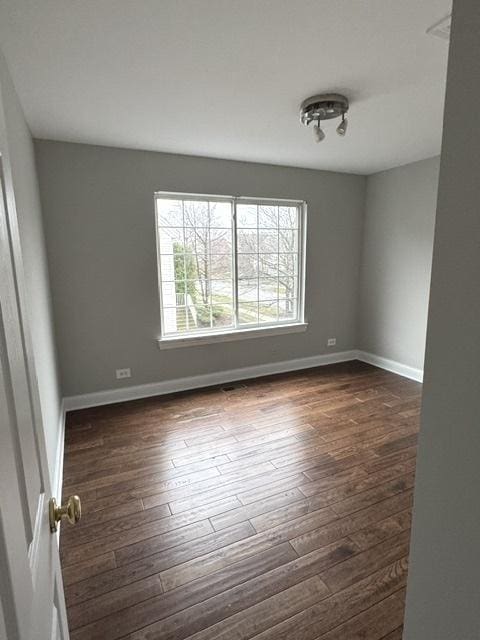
x=323, y=107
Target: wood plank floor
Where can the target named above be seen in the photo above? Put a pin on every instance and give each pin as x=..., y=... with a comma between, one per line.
x=274, y=509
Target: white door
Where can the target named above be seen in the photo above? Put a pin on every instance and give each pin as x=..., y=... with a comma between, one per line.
x=31, y=593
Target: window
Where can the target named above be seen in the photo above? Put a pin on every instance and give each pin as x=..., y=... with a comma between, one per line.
x=228, y=265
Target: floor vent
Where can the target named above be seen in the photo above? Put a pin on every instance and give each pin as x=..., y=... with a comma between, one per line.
x=233, y=387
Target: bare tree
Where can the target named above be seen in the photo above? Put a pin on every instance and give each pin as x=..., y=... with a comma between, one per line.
x=210, y=245
x=197, y=222
x=275, y=241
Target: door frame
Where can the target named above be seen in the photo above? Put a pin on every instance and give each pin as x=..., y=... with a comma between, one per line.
x=22, y=565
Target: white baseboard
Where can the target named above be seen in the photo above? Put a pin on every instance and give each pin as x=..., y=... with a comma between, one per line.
x=195, y=382
x=58, y=471
x=110, y=396
x=391, y=365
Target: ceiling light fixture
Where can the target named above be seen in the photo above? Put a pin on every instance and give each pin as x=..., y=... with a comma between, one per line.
x=324, y=107
x=342, y=127
x=319, y=132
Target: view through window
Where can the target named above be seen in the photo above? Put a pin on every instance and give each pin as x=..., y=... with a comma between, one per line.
x=228, y=264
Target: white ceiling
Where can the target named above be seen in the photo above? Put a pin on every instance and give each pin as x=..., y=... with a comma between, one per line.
x=224, y=78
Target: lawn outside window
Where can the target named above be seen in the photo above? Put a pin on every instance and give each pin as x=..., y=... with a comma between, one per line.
x=228, y=267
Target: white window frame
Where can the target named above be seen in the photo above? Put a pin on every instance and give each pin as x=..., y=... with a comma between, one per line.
x=237, y=332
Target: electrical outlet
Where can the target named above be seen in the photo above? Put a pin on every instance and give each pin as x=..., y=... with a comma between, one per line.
x=331, y=342
x=123, y=373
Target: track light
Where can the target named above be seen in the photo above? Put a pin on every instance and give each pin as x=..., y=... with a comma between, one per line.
x=324, y=107
x=342, y=127
x=319, y=132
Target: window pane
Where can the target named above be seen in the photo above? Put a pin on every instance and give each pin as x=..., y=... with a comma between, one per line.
x=221, y=214
x=288, y=241
x=194, y=291
x=222, y=316
x=197, y=240
x=248, y=290
x=192, y=257
x=185, y=270
x=288, y=264
x=288, y=217
x=287, y=287
x=268, y=265
x=268, y=289
x=267, y=217
x=268, y=241
x=268, y=311
x=175, y=319
x=181, y=299
x=287, y=309
x=247, y=266
x=167, y=265
x=222, y=292
x=196, y=213
x=247, y=216
x=221, y=241
x=201, y=316
x=247, y=241
x=170, y=213
x=169, y=320
x=171, y=240
x=169, y=294
x=248, y=312
x=220, y=266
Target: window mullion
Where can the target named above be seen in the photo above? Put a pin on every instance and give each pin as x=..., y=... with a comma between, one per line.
x=278, y=263
x=235, y=263
x=184, y=258
x=209, y=265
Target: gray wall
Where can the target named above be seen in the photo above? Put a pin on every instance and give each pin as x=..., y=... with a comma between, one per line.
x=17, y=147
x=443, y=600
x=98, y=205
x=396, y=261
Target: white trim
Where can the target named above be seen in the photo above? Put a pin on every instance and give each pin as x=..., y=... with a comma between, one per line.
x=229, y=336
x=55, y=628
x=35, y=543
x=281, y=202
x=391, y=365
x=194, y=382
x=124, y=394
x=57, y=487
x=300, y=205
x=172, y=195
x=58, y=471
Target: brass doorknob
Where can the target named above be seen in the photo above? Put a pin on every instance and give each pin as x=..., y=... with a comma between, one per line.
x=71, y=510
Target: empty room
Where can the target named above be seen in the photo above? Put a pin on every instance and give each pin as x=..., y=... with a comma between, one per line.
x=239, y=320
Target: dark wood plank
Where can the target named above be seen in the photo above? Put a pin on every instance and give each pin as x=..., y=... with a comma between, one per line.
x=372, y=623
x=397, y=634
x=280, y=509
x=338, y=528
x=315, y=621
x=255, y=619
x=86, y=589
x=139, y=542
x=110, y=611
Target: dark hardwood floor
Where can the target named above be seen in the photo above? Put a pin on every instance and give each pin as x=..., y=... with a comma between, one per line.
x=274, y=509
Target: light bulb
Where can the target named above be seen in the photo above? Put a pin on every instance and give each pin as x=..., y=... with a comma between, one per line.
x=319, y=133
x=342, y=127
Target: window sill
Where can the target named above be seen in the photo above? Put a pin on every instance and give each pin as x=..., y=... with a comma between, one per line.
x=231, y=336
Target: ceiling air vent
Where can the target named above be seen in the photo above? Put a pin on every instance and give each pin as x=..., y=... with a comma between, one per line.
x=441, y=29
